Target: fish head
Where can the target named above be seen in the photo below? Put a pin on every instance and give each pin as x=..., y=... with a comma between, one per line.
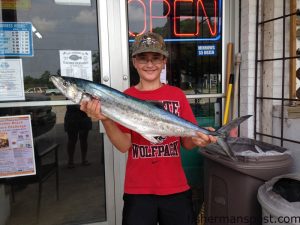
x=69, y=89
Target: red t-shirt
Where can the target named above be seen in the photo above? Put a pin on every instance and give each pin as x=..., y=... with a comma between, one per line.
x=156, y=168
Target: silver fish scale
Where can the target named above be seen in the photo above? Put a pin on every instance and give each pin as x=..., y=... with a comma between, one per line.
x=143, y=119
x=137, y=115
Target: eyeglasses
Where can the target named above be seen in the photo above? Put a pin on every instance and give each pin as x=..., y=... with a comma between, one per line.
x=154, y=60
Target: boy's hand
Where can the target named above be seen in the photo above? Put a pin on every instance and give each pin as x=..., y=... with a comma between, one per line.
x=203, y=140
x=93, y=109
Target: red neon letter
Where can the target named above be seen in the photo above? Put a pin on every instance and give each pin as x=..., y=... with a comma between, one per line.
x=212, y=32
x=155, y=17
x=144, y=8
x=181, y=17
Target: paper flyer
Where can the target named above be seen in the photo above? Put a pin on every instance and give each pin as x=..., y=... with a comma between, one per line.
x=16, y=147
x=76, y=64
x=11, y=80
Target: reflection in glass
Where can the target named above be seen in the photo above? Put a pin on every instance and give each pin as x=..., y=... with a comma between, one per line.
x=55, y=27
x=81, y=189
x=77, y=125
x=43, y=118
x=186, y=26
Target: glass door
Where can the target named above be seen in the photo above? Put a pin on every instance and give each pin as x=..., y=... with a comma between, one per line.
x=61, y=38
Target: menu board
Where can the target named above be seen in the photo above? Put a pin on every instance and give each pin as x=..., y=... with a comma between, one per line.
x=16, y=39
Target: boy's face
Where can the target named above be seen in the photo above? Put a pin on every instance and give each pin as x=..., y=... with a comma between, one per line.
x=149, y=65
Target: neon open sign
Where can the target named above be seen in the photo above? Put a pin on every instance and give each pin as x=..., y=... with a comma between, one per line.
x=182, y=20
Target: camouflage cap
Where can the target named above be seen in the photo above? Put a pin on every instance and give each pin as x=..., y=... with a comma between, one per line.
x=149, y=42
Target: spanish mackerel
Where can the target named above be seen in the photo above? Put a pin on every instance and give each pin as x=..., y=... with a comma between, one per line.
x=152, y=122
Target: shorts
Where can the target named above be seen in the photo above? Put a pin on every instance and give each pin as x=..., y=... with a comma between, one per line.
x=144, y=209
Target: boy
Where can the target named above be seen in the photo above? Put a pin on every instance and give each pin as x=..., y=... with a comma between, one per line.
x=156, y=189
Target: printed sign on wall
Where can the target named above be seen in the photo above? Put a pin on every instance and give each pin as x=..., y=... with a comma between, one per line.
x=76, y=64
x=207, y=50
x=16, y=39
x=11, y=80
x=16, y=147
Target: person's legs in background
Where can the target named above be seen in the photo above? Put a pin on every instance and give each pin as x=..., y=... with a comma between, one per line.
x=83, y=136
x=72, y=140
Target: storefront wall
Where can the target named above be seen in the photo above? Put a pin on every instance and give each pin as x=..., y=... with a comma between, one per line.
x=99, y=29
x=248, y=20
x=269, y=116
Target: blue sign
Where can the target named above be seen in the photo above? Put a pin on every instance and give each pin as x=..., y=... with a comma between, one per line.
x=16, y=39
x=207, y=50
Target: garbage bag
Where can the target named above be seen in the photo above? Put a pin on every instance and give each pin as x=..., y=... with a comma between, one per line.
x=280, y=201
x=288, y=188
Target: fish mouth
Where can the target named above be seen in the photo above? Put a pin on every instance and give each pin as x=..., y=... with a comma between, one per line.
x=70, y=90
x=60, y=83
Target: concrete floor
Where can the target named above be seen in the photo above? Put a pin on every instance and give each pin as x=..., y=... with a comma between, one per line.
x=82, y=189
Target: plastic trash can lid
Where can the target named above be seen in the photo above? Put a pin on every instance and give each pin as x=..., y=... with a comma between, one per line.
x=262, y=166
x=275, y=203
x=249, y=150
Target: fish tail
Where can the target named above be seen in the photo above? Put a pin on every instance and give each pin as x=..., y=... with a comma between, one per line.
x=225, y=130
x=223, y=133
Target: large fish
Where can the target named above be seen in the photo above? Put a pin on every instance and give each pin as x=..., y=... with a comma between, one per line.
x=152, y=122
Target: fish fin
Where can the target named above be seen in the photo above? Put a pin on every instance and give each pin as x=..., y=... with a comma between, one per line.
x=154, y=139
x=225, y=130
x=226, y=148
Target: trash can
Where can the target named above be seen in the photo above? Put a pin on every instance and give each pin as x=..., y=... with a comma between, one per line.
x=280, y=200
x=230, y=187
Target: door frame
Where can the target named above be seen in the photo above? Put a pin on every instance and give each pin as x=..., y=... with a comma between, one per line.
x=114, y=58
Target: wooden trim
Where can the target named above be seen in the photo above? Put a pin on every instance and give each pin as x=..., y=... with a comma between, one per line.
x=229, y=63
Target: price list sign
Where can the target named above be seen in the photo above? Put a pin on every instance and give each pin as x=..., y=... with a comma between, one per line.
x=16, y=39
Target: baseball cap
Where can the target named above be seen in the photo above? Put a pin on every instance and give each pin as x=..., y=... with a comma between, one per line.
x=149, y=42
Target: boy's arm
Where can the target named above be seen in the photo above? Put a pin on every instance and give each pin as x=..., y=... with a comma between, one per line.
x=122, y=141
x=201, y=140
